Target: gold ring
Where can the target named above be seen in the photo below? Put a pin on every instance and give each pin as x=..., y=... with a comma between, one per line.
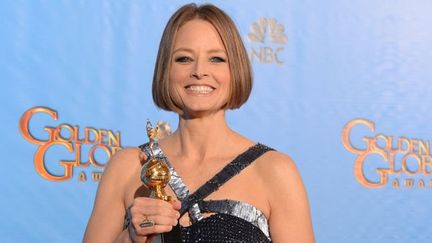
x=146, y=223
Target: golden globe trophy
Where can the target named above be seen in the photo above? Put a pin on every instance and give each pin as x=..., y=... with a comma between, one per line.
x=155, y=175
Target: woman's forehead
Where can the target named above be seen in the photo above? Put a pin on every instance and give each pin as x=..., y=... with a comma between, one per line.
x=200, y=34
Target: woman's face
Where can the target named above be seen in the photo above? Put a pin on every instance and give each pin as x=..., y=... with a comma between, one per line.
x=199, y=75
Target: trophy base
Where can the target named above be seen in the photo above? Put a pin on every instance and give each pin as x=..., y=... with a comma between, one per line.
x=157, y=239
x=173, y=236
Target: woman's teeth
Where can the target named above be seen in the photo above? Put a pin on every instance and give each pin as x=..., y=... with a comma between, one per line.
x=200, y=89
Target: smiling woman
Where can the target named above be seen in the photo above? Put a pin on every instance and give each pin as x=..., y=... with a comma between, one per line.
x=225, y=45
x=200, y=74
x=227, y=187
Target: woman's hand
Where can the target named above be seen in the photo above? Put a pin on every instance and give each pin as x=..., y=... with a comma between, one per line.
x=149, y=216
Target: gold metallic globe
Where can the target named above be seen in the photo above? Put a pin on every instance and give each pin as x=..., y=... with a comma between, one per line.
x=155, y=175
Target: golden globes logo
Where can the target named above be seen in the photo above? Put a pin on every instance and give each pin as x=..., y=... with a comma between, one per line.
x=73, y=139
x=407, y=161
x=269, y=28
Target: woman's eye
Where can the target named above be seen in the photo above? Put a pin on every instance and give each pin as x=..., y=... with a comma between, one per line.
x=217, y=59
x=183, y=59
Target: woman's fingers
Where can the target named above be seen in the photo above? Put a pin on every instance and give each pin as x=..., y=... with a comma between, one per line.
x=153, y=216
x=154, y=228
x=176, y=204
x=154, y=207
x=145, y=201
x=146, y=221
x=154, y=224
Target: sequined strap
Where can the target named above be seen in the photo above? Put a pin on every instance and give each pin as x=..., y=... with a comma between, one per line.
x=229, y=171
x=239, y=209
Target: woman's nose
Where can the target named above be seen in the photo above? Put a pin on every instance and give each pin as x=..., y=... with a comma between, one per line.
x=199, y=70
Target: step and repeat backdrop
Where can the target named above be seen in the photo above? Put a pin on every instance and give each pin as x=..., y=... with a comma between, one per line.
x=343, y=87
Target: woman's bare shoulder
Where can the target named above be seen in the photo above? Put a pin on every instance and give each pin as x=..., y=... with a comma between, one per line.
x=278, y=171
x=125, y=161
x=125, y=155
x=276, y=162
x=286, y=194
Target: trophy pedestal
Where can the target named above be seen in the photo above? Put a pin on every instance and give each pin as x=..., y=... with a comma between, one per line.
x=158, y=239
x=169, y=237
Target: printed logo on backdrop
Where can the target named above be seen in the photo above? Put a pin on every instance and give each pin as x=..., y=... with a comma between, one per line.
x=385, y=160
x=94, y=145
x=268, y=38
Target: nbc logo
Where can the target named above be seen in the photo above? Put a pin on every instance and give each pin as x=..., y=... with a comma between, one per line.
x=264, y=32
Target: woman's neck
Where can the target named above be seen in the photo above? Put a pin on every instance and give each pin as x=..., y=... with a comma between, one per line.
x=203, y=137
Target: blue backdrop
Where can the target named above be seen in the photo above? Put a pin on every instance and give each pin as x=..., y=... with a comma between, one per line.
x=341, y=86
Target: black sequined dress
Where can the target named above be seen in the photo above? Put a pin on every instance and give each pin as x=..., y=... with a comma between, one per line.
x=230, y=220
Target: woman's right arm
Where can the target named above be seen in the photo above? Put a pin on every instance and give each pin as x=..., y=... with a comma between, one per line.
x=107, y=218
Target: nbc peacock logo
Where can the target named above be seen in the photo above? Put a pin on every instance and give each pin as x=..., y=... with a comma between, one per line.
x=269, y=39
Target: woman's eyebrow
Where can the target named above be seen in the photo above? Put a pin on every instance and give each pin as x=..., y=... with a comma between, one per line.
x=216, y=51
x=183, y=49
x=192, y=51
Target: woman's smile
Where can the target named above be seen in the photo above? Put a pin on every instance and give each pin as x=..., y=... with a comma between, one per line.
x=196, y=89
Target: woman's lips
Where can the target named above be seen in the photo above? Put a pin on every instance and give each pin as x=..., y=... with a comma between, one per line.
x=199, y=89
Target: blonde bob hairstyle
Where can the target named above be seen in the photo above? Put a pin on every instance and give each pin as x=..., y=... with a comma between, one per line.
x=238, y=61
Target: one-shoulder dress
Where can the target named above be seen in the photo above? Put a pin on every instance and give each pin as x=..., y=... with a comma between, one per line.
x=229, y=220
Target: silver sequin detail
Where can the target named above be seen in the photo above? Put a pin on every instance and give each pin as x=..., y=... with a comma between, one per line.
x=239, y=209
x=195, y=213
